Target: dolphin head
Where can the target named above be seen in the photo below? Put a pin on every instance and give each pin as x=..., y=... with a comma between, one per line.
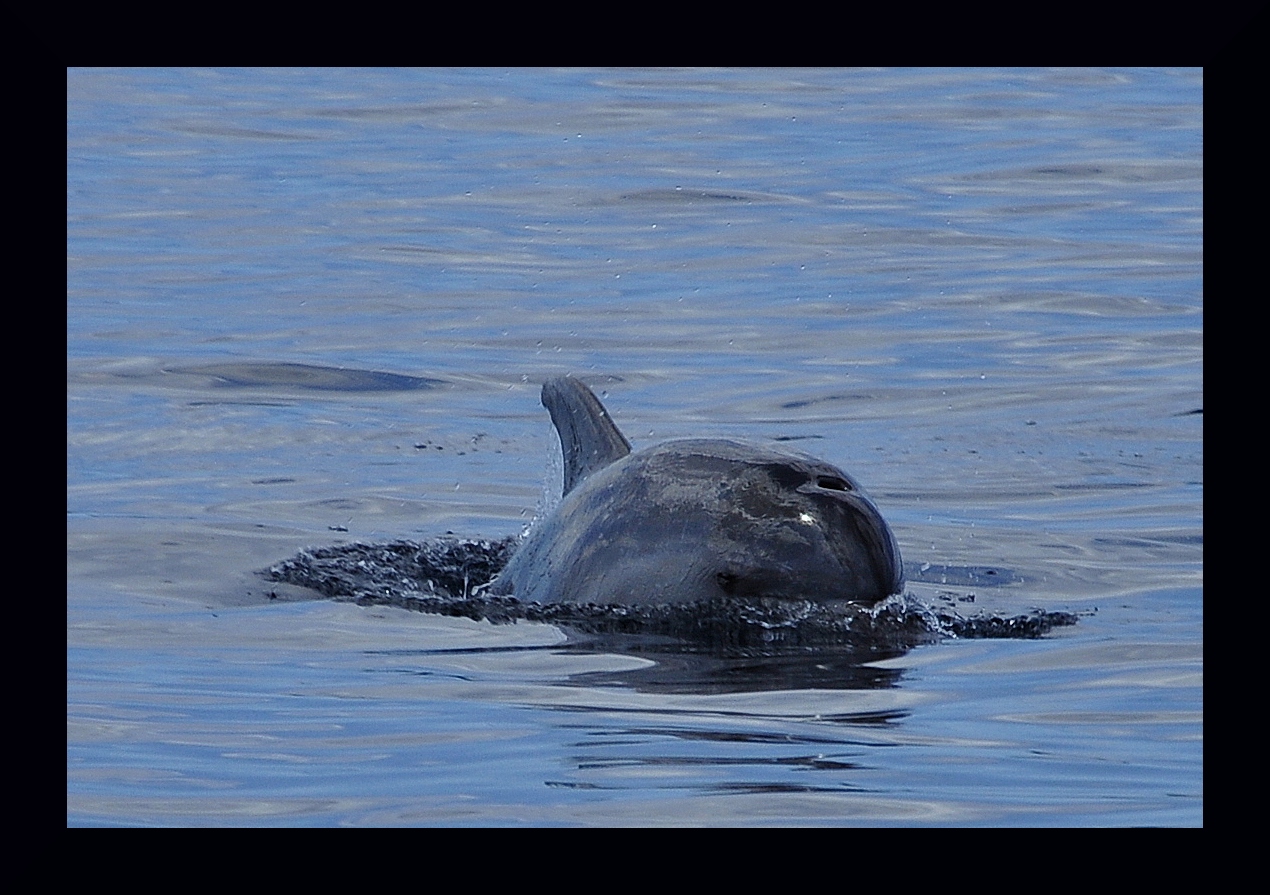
x=760, y=521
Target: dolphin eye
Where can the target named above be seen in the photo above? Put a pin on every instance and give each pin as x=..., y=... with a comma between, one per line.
x=832, y=483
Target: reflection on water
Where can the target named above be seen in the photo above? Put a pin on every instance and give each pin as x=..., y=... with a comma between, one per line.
x=682, y=668
x=666, y=665
x=300, y=376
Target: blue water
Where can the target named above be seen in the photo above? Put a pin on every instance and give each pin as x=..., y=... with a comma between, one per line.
x=980, y=292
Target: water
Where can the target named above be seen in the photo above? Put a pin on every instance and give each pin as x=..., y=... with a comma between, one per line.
x=980, y=292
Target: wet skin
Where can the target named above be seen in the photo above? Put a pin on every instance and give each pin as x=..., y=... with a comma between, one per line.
x=696, y=519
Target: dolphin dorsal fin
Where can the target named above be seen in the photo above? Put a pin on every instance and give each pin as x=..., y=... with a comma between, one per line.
x=588, y=438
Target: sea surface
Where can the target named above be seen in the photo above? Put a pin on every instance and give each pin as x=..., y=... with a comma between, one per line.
x=315, y=307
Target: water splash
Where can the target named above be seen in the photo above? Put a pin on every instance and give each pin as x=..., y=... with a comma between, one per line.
x=448, y=576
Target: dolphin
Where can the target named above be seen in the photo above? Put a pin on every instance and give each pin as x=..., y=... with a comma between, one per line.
x=694, y=520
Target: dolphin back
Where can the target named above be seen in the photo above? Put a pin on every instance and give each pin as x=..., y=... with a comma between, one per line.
x=588, y=438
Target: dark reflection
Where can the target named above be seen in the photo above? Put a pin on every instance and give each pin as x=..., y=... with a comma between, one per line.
x=729, y=645
x=298, y=376
x=736, y=754
x=687, y=668
x=679, y=195
x=727, y=753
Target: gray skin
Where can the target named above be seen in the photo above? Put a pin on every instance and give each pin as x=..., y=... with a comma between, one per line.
x=696, y=519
